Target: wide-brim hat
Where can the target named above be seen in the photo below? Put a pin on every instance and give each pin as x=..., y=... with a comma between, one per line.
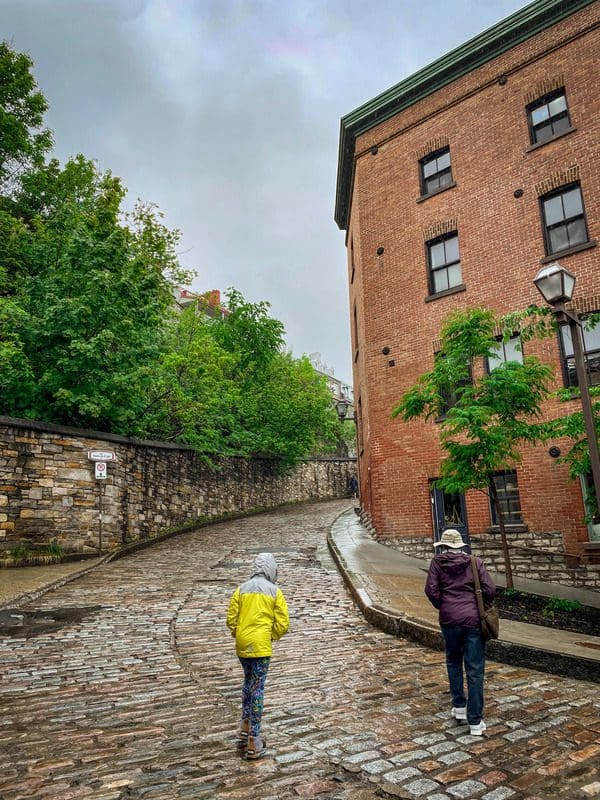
x=451, y=538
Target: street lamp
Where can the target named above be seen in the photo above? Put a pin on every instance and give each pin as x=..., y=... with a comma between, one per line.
x=556, y=285
x=341, y=406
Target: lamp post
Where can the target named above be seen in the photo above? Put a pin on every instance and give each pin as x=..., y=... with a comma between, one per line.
x=556, y=285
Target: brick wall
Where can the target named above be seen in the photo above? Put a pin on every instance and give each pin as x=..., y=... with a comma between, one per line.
x=48, y=490
x=482, y=119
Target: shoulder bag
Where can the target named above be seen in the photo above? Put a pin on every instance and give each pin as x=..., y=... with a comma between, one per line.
x=489, y=621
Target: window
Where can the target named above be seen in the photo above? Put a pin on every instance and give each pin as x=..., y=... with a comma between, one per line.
x=444, y=263
x=505, y=351
x=450, y=395
x=564, y=219
x=355, y=318
x=548, y=117
x=352, y=263
x=436, y=171
x=591, y=348
x=508, y=495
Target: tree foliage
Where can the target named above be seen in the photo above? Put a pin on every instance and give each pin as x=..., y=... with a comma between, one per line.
x=88, y=331
x=23, y=141
x=494, y=413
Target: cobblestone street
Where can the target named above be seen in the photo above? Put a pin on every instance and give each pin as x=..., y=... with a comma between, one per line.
x=138, y=695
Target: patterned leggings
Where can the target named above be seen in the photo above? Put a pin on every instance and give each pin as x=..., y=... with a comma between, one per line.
x=253, y=690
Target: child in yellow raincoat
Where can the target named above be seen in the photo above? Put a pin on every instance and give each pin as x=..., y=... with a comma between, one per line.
x=258, y=615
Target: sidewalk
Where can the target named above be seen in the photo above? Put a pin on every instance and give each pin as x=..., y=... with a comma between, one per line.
x=23, y=584
x=388, y=588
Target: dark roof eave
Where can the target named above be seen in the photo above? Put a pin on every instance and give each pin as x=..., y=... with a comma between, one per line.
x=507, y=33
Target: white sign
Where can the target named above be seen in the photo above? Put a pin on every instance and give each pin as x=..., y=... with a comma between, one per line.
x=102, y=455
x=101, y=470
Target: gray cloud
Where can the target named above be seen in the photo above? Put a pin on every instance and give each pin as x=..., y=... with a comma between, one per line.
x=226, y=113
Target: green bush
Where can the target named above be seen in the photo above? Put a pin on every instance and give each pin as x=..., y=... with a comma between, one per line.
x=558, y=604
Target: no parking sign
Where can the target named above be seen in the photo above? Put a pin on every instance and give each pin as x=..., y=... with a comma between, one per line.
x=100, y=471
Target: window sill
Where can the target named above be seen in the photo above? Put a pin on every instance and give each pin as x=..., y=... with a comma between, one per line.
x=424, y=197
x=569, y=251
x=522, y=528
x=537, y=145
x=454, y=290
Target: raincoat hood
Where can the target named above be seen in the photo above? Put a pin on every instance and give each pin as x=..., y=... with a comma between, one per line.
x=266, y=565
x=453, y=563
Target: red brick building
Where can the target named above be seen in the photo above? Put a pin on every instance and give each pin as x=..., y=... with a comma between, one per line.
x=455, y=186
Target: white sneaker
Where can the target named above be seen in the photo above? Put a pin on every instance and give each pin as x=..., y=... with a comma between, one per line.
x=459, y=713
x=477, y=730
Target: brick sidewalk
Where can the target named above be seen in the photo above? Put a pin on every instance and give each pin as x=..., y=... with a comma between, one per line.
x=139, y=698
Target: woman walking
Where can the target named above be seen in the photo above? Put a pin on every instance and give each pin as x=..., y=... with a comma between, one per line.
x=450, y=588
x=258, y=615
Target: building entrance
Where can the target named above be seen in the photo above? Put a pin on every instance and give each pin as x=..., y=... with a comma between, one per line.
x=449, y=511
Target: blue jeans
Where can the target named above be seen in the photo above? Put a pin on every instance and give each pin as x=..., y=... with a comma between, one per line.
x=464, y=645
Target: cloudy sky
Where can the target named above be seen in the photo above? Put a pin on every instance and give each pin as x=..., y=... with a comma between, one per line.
x=226, y=114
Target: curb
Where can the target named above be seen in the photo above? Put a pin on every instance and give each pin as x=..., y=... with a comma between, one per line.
x=398, y=624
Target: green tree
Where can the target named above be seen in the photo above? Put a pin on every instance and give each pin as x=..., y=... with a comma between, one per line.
x=23, y=141
x=287, y=411
x=284, y=407
x=250, y=332
x=94, y=288
x=494, y=413
x=193, y=395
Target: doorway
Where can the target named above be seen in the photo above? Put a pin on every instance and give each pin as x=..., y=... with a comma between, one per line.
x=449, y=511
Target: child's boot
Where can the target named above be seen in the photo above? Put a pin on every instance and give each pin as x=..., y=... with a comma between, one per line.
x=257, y=746
x=244, y=732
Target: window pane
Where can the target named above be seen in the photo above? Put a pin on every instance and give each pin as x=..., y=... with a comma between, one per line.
x=538, y=115
x=560, y=124
x=445, y=178
x=429, y=168
x=571, y=373
x=440, y=280
x=512, y=350
x=454, y=275
x=443, y=161
x=572, y=203
x=592, y=338
x=543, y=132
x=496, y=357
x=553, y=210
x=593, y=362
x=451, y=249
x=558, y=238
x=437, y=254
x=557, y=105
x=567, y=342
x=576, y=232
x=431, y=184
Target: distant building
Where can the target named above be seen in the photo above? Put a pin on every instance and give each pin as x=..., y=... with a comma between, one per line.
x=339, y=390
x=208, y=303
x=454, y=187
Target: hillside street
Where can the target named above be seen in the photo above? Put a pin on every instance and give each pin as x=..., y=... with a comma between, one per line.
x=136, y=695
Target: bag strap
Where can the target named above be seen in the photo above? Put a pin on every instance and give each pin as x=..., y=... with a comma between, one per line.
x=475, y=572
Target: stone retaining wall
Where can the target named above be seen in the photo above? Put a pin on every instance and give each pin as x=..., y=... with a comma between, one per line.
x=537, y=556
x=48, y=490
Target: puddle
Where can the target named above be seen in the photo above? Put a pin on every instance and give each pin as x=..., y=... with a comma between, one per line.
x=25, y=624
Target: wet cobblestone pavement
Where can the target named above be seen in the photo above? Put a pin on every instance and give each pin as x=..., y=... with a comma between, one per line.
x=139, y=698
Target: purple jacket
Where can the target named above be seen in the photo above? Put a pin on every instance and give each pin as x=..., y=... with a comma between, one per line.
x=450, y=588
